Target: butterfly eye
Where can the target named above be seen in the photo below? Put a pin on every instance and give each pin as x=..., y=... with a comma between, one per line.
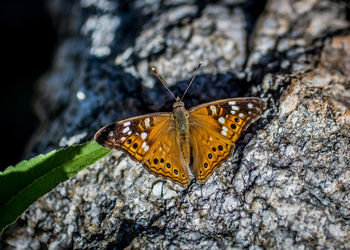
x=210, y=156
x=236, y=119
x=175, y=171
x=162, y=160
x=135, y=145
x=213, y=149
x=168, y=165
x=233, y=126
x=155, y=161
x=220, y=147
x=205, y=165
x=128, y=141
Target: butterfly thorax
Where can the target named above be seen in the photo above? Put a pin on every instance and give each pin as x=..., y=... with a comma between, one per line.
x=182, y=128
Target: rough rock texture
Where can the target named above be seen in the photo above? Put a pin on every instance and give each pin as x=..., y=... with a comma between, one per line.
x=287, y=184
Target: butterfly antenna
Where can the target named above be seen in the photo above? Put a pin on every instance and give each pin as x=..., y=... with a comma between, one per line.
x=189, y=85
x=161, y=80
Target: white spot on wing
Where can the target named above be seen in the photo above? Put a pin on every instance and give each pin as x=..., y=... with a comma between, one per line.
x=241, y=115
x=126, y=129
x=224, y=128
x=122, y=139
x=221, y=120
x=235, y=107
x=213, y=109
x=250, y=106
x=223, y=132
x=110, y=133
x=146, y=148
x=129, y=133
x=143, y=135
x=144, y=144
x=232, y=103
x=233, y=112
x=147, y=124
x=126, y=124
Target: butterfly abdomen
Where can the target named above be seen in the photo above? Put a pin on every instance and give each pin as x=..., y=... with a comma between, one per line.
x=183, y=141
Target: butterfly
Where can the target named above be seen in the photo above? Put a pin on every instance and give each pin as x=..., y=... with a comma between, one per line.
x=171, y=144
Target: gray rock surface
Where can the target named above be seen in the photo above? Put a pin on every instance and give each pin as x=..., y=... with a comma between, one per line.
x=287, y=184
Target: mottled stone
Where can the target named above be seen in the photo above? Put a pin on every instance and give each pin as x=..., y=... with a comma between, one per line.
x=286, y=185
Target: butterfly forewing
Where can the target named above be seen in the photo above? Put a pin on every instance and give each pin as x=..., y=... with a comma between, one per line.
x=151, y=140
x=214, y=129
x=134, y=136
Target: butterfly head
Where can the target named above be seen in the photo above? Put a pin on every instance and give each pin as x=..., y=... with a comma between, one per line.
x=179, y=106
x=178, y=103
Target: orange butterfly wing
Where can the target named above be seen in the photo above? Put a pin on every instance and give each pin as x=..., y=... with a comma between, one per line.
x=151, y=140
x=214, y=129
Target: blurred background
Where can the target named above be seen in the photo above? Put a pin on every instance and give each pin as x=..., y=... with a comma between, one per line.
x=28, y=43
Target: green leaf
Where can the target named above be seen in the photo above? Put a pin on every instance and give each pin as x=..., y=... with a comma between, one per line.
x=23, y=184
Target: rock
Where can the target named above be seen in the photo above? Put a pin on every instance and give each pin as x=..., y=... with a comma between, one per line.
x=287, y=184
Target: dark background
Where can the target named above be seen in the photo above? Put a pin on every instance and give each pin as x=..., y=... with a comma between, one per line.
x=27, y=44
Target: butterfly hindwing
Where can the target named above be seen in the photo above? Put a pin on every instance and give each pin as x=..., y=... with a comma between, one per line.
x=166, y=159
x=214, y=129
x=209, y=151
x=151, y=140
